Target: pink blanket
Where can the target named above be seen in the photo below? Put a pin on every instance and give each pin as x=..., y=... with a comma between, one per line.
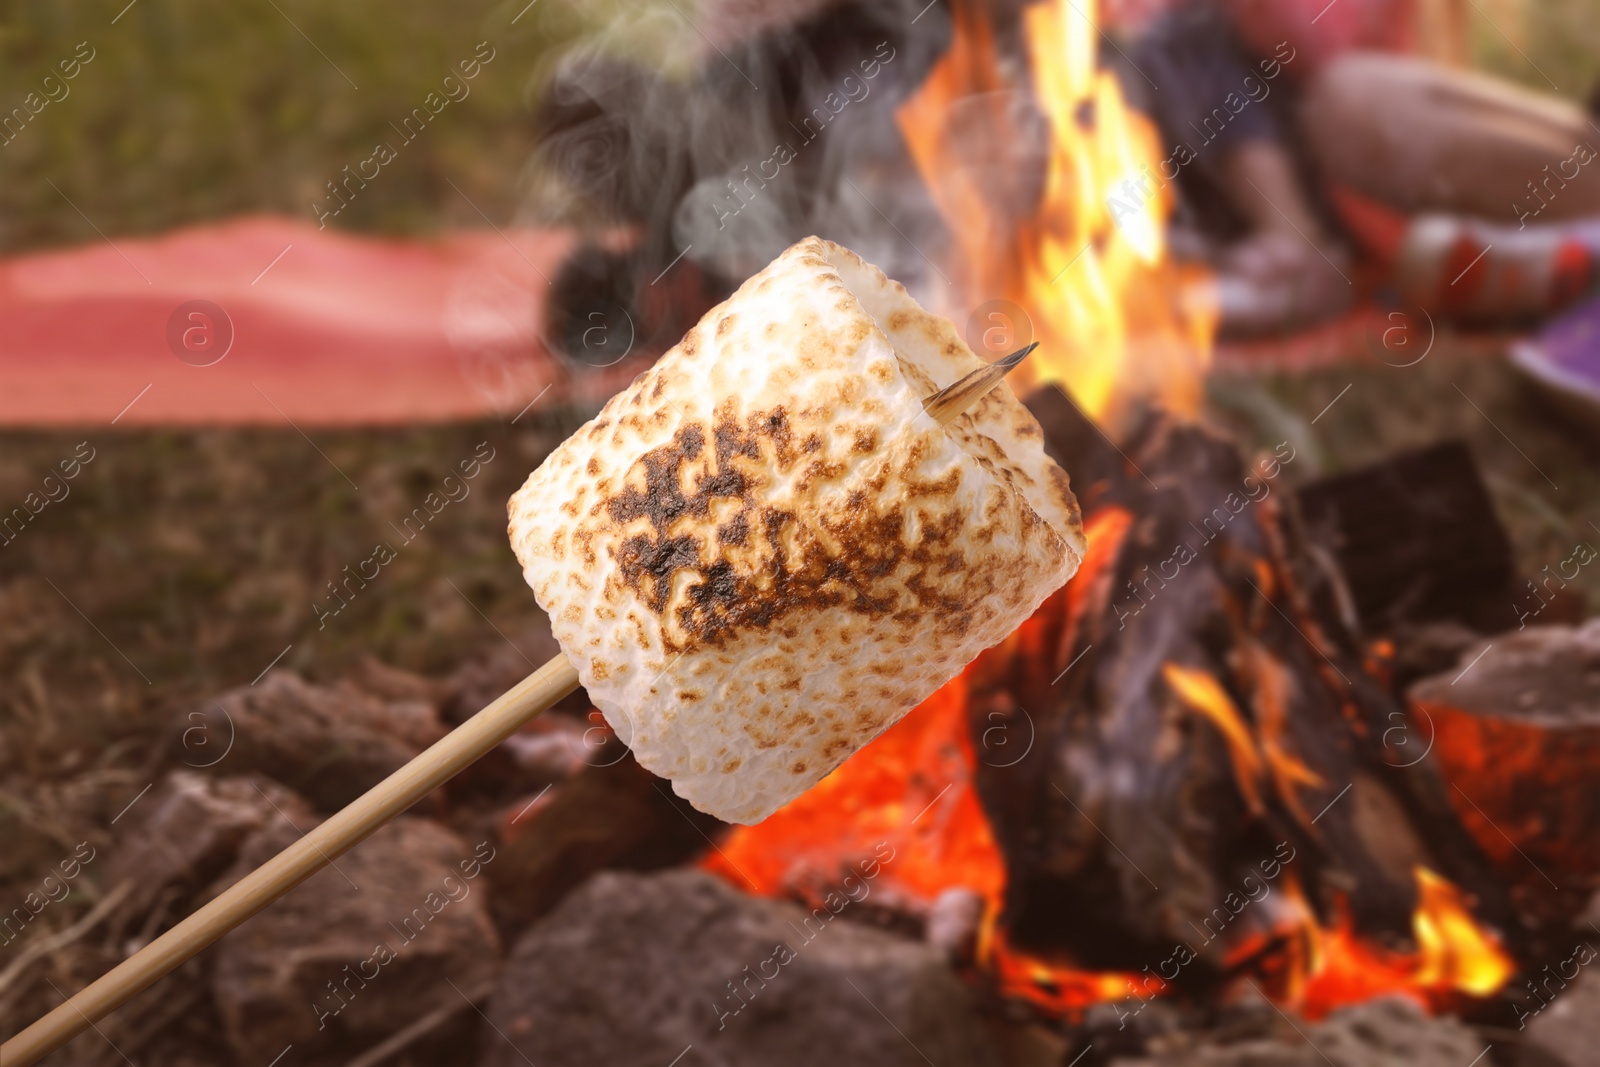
x=267, y=320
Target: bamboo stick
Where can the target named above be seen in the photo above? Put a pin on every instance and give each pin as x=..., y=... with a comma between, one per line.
x=447, y=757
x=952, y=400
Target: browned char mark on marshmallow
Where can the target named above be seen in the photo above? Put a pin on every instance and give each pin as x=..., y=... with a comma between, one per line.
x=762, y=563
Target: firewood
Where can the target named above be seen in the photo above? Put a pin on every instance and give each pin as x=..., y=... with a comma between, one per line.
x=1198, y=707
x=1418, y=540
x=1517, y=726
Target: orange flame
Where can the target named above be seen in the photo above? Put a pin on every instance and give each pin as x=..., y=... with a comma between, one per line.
x=1333, y=966
x=1203, y=694
x=1115, y=318
x=1257, y=753
x=913, y=789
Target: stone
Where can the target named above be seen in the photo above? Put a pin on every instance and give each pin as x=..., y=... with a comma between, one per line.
x=552, y=748
x=954, y=922
x=377, y=678
x=1395, y=1032
x=1539, y=674
x=1386, y=1032
x=1568, y=1023
x=612, y=815
x=328, y=743
x=176, y=841
x=362, y=948
x=632, y=969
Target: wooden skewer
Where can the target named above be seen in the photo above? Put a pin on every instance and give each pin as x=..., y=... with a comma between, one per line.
x=450, y=755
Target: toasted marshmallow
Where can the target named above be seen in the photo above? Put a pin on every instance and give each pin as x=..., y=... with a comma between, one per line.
x=763, y=552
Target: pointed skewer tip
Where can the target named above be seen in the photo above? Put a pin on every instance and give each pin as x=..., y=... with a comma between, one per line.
x=1016, y=357
x=952, y=400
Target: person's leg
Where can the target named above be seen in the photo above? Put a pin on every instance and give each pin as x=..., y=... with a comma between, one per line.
x=1267, y=190
x=1422, y=137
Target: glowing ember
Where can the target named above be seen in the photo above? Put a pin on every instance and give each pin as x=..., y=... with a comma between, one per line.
x=912, y=788
x=1115, y=317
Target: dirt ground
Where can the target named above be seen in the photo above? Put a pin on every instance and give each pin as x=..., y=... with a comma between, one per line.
x=181, y=565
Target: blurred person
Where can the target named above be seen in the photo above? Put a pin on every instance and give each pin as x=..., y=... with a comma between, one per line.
x=689, y=173
x=1312, y=127
x=1312, y=131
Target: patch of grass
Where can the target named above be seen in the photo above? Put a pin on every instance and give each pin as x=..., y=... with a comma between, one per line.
x=192, y=111
x=1550, y=46
x=183, y=562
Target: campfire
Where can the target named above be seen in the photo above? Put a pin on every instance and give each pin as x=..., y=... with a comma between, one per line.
x=1013, y=716
x=1165, y=783
x=1116, y=316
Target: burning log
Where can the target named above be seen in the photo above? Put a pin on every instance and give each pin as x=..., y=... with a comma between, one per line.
x=1204, y=733
x=1417, y=540
x=1518, y=736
